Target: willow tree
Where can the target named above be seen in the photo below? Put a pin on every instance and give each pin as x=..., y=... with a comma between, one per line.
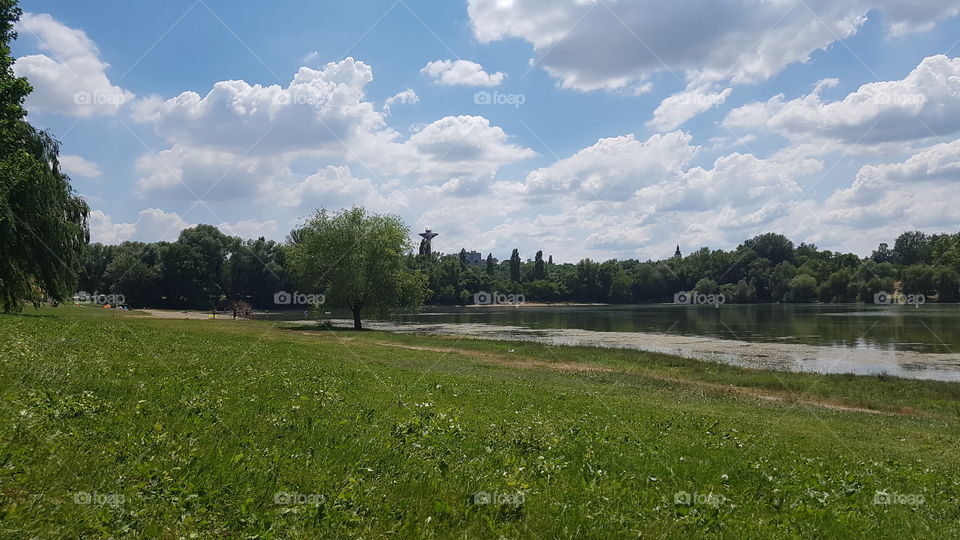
x=357, y=260
x=43, y=225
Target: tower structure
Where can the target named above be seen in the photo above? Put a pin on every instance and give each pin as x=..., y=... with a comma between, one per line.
x=425, y=247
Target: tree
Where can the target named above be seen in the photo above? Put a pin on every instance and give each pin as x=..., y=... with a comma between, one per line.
x=490, y=267
x=912, y=247
x=515, y=266
x=803, y=288
x=43, y=224
x=357, y=259
x=775, y=247
x=538, y=269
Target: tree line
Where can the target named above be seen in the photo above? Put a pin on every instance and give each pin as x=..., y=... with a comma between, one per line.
x=766, y=268
x=204, y=268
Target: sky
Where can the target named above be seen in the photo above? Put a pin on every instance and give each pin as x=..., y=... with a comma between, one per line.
x=583, y=128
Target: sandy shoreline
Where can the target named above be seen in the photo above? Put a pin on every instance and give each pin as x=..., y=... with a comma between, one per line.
x=763, y=355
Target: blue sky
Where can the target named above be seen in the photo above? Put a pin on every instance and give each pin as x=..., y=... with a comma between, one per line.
x=616, y=128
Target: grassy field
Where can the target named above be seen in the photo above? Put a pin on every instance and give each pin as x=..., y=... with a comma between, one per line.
x=125, y=426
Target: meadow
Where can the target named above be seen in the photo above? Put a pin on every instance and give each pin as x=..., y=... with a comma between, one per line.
x=119, y=425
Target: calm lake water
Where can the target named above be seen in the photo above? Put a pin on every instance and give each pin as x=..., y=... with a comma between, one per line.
x=931, y=328
x=905, y=341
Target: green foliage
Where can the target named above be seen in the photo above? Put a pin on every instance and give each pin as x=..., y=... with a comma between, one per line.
x=358, y=260
x=43, y=224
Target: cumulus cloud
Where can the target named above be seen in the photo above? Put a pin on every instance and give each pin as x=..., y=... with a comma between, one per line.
x=404, y=97
x=453, y=146
x=70, y=79
x=250, y=228
x=461, y=72
x=320, y=110
x=925, y=103
x=152, y=225
x=79, y=166
x=331, y=187
x=675, y=110
x=611, y=44
x=201, y=173
x=615, y=167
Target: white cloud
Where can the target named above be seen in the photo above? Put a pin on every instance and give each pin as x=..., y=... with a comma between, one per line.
x=675, y=110
x=614, y=168
x=152, y=225
x=250, y=228
x=79, y=166
x=404, y=97
x=925, y=103
x=72, y=80
x=320, y=110
x=208, y=174
x=461, y=72
x=451, y=147
x=331, y=187
x=610, y=44
x=310, y=57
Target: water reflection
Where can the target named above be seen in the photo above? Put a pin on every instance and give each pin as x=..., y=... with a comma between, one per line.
x=930, y=328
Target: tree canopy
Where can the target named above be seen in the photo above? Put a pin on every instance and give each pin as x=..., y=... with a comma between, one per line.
x=43, y=224
x=357, y=259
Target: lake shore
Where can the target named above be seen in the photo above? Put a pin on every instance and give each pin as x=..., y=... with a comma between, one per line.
x=761, y=355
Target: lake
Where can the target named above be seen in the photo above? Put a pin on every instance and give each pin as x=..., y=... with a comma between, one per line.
x=905, y=341
x=931, y=328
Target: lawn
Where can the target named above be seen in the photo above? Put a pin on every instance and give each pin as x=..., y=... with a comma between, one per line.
x=113, y=424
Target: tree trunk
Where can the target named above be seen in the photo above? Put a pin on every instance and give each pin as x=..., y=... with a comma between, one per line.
x=356, y=320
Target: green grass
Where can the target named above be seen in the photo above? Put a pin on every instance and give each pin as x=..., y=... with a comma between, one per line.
x=112, y=425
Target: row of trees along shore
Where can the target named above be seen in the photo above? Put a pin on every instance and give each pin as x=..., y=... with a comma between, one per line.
x=205, y=268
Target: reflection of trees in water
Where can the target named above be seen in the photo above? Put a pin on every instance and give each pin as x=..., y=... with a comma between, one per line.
x=929, y=329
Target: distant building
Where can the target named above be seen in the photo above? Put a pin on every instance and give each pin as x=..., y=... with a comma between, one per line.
x=475, y=258
x=677, y=254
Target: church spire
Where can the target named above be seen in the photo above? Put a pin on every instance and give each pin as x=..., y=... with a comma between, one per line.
x=678, y=255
